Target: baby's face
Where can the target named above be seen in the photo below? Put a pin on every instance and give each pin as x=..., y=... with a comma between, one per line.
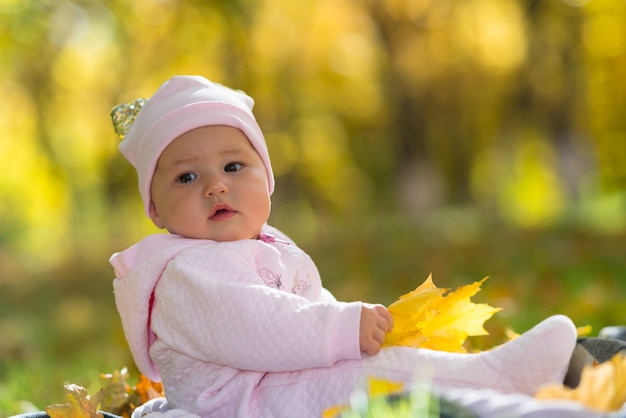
x=210, y=183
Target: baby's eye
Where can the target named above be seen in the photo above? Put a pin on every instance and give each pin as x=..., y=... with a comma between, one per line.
x=186, y=178
x=232, y=167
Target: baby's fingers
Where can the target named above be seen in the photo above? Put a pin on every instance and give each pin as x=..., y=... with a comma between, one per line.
x=386, y=316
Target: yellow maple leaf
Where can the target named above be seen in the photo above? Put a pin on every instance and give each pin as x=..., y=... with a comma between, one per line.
x=584, y=330
x=116, y=391
x=510, y=334
x=148, y=389
x=429, y=318
x=121, y=399
x=382, y=387
x=602, y=387
x=79, y=405
x=334, y=411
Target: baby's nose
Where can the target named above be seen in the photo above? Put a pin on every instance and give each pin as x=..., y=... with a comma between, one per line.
x=215, y=188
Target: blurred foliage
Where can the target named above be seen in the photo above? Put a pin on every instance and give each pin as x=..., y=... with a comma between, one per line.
x=464, y=138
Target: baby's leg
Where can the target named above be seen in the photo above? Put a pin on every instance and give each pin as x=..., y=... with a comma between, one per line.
x=539, y=356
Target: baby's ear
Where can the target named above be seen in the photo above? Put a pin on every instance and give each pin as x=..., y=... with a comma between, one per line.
x=154, y=215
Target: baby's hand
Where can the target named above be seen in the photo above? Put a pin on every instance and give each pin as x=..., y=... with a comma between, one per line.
x=376, y=321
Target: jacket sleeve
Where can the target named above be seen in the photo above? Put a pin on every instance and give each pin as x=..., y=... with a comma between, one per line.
x=226, y=315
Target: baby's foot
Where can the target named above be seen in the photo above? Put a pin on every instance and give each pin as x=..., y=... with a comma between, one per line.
x=539, y=356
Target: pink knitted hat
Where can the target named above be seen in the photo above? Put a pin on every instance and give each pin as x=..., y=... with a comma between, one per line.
x=181, y=104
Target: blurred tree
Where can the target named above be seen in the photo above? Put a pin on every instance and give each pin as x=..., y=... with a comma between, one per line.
x=405, y=105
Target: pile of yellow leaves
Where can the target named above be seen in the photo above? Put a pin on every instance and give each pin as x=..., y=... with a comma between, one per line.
x=602, y=387
x=428, y=318
x=116, y=397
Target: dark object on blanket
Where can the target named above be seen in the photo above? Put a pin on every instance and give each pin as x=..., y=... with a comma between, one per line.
x=590, y=351
x=603, y=349
x=44, y=415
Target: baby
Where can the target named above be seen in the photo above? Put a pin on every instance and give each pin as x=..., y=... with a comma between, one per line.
x=229, y=313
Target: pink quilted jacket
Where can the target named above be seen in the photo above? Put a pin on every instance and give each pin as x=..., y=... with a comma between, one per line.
x=245, y=329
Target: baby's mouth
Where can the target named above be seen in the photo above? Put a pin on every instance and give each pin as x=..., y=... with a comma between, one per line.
x=221, y=212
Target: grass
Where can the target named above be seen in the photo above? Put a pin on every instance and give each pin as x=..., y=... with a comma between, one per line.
x=56, y=329
x=61, y=326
